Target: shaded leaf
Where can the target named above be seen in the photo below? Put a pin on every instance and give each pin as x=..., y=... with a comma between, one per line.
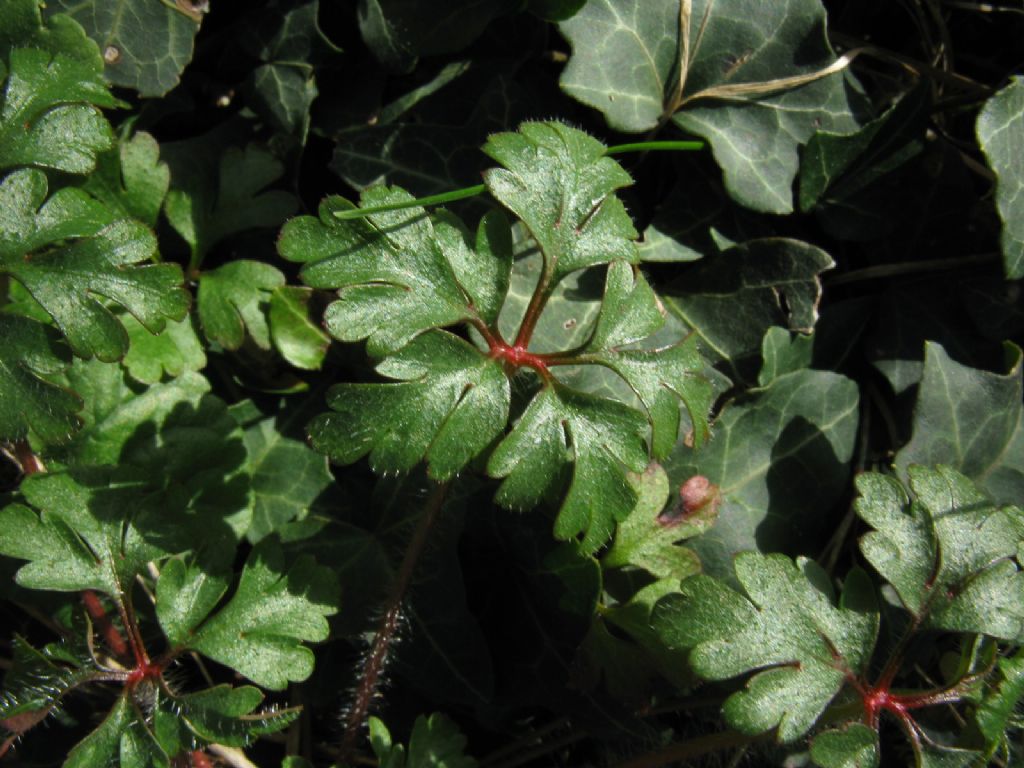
x=145, y=45
x=68, y=251
x=1000, y=131
x=30, y=352
x=855, y=746
x=131, y=179
x=151, y=357
x=780, y=458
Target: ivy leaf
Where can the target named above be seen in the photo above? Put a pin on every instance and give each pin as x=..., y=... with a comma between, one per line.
x=398, y=32
x=399, y=273
x=970, y=419
x=785, y=627
x=101, y=258
x=798, y=432
x=30, y=352
x=561, y=184
x=649, y=537
x=49, y=116
x=662, y=377
x=261, y=630
x=625, y=63
x=217, y=194
x=598, y=439
x=948, y=553
x=435, y=742
x=145, y=45
x=731, y=299
x=1001, y=128
x=451, y=403
x=233, y=298
x=131, y=179
x=292, y=332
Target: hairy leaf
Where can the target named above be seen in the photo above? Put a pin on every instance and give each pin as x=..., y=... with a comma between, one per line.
x=560, y=183
x=70, y=253
x=49, y=116
x=261, y=630
x=948, y=553
x=399, y=273
x=452, y=402
x=785, y=626
x=598, y=440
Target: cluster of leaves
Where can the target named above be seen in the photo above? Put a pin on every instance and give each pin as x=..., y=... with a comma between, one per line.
x=569, y=472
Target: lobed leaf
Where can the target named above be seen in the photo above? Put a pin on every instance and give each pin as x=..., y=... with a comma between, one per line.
x=70, y=254
x=233, y=300
x=260, y=631
x=785, y=627
x=1000, y=129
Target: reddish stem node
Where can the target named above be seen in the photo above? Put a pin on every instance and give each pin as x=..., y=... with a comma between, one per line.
x=147, y=670
x=518, y=356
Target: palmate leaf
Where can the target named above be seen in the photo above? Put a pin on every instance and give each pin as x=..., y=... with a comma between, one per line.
x=131, y=179
x=232, y=300
x=71, y=253
x=260, y=631
x=559, y=181
x=30, y=352
x=949, y=553
x=51, y=91
x=452, y=402
x=399, y=273
x=626, y=63
x=787, y=625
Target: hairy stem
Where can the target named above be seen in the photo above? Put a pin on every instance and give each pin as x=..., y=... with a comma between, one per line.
x=369, y=680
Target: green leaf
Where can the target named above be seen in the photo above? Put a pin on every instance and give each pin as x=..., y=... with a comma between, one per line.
x=649, y=538
x=103, y=745
x=783, y=352
x=292, y=332
x=99, y=257
x=261, y=630
x=233, y=299
x=848, y=178
x=218, y=193
x=948, y=553
x=145, y=45
x=785, y=627
x=226, y=715
x=172, y=353
x=970, y=419
x=625, y=63
x=598, y=440
x=30, y=352
x=83, y=538
x=1000, y=129
x=435, y=742
x=780, y=457
x=1000, y=704
x=559, y=181
x=661, y=377
x=731, y=299
x=855, y=746
x=399, y=273
x=451, y=403
x=49, y=116
x=286, y=475
x=398, y=32
x=131, y=179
